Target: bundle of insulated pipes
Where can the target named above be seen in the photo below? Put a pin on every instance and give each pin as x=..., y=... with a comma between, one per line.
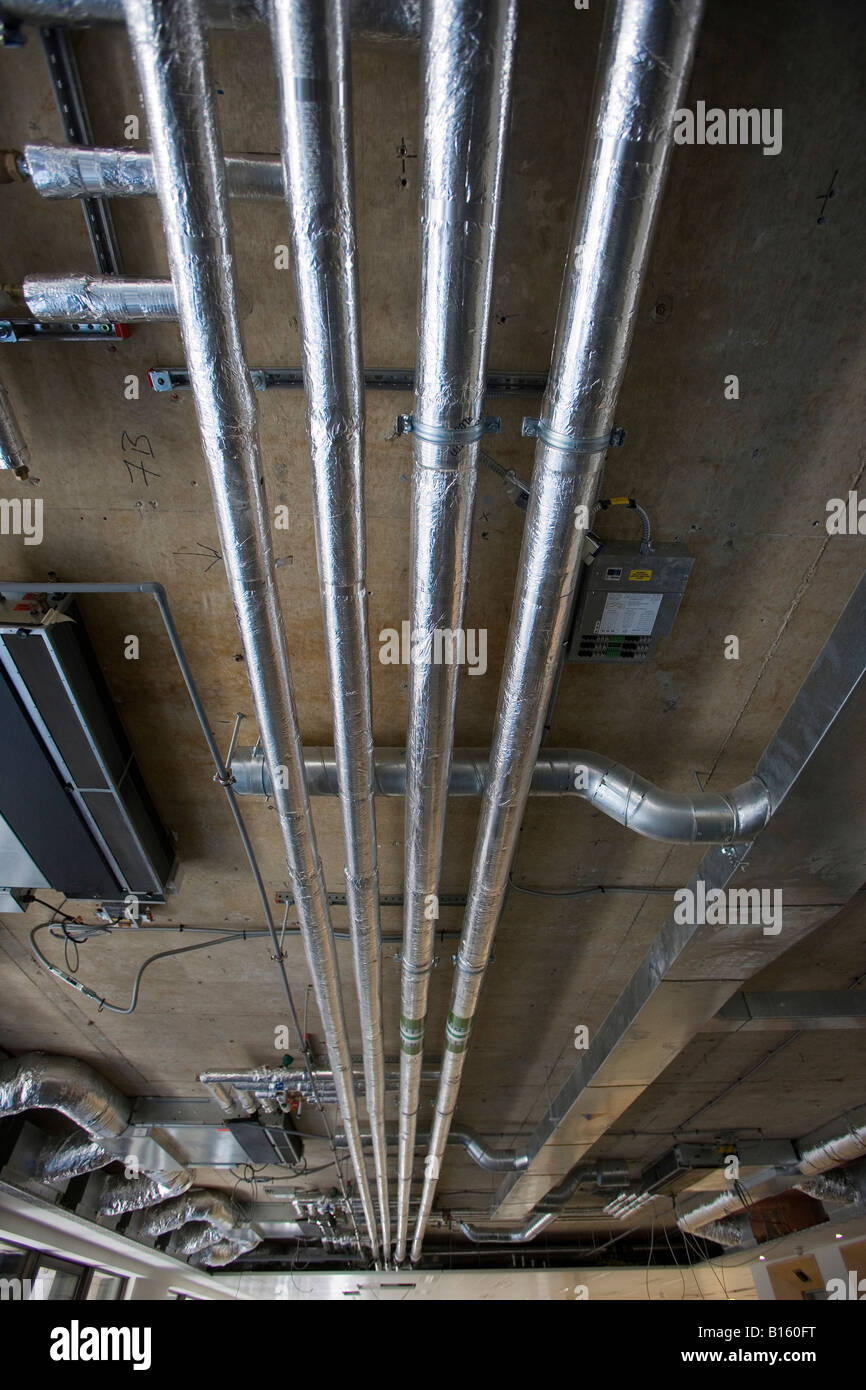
x=467, y=54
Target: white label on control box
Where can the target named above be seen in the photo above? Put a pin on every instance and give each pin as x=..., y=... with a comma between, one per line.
x=629, y=615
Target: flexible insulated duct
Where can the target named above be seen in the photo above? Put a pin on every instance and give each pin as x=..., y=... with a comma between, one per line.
x=200, y=1204
x=41, y=1081
x=467, y=54
x=63, y=1159
x=99, y=299
x=73, y=171
x=646, y=53
x=169, y=50
x=311, y=49
x=121, y=1194
x=609, y=787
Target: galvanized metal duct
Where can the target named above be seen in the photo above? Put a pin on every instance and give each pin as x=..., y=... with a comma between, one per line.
x=646, y=53
x=370, y=20
x=467, y=57
x=169, y=49
x=602, y=1175
x=610, y=787
x=99, y=299
x=311, y=49
x=73, y=171
x=13, y=451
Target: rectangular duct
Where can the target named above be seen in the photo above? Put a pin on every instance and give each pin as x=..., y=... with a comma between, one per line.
x=76, y=815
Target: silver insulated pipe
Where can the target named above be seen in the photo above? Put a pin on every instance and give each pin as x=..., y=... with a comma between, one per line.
x=646, y=53
x=169, y=48
x=466, y=54
x=13, y=451
x=311, y=48
x=76, y=171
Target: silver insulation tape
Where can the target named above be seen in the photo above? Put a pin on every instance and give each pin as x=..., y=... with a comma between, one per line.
x=646, y=53
x=14, y=453
x=71, y=171
x=99, y=299
x=169, y=50
x=467, y=59
x=311, y=50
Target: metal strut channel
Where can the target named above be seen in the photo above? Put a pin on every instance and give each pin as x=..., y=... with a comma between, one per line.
x=71, y=107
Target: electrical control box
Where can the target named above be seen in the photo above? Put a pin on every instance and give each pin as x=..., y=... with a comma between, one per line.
x=627, y=601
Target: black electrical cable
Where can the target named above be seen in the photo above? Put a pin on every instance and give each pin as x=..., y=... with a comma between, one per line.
x=160, y=955
x=585, y=892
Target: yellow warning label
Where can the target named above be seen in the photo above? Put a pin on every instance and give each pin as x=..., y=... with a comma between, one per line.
x=619, y=501
x=642, y=575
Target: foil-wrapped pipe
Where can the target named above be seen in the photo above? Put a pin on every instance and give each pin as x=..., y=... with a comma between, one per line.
x=374, y=21
x=99, y=299
x=14, y=454
x=312, y=60
x=74, y=171
x=467, y=53
x=171, y=59
x=63, y=1159
x=610, y=787
x=646, y=54
x=120, y=1194
x=42, y=1081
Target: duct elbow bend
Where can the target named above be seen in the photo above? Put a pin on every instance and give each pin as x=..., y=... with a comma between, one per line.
x=750, y=804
